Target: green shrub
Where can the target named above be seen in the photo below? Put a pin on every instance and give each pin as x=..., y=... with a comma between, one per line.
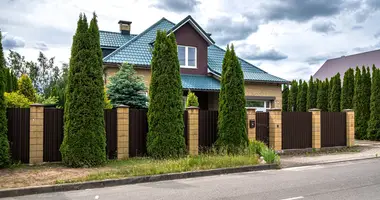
x=107, y=102
x=16, y=100
x=165, y=112
x=232, y=130
x=270, y=156
x=52, y=100
x=84, y=143
x=257, y=147
x=374, y=122
x=192, y=100
x=4, y=144
x=127, y=88
x=25, y=87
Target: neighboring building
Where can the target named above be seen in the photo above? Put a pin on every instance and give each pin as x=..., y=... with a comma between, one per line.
x=331, y=67
x=200, y=60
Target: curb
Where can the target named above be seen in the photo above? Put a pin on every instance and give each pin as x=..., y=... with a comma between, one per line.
x=127, y=181
x=329, y=162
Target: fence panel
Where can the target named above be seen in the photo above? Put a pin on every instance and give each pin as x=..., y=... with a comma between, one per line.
x=138, y=130
x=110, y=122
x=296, y=130
x=18, y=133
x=53, y=134
x=262, y=127
x=208, y=128
x=333, y=129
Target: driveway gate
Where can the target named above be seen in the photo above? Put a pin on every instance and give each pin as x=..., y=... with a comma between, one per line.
x=262, y=127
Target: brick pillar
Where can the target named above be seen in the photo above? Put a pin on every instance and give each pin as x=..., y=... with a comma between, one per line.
x=350, y=127
x=275, y=128
x=193, y=129
x=316, y=127
x=122, y=132
x=251, y=115
x=36, y=136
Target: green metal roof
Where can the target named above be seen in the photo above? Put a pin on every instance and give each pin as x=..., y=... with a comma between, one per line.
x=113, y=39
x=199, y=82
x=138, y=51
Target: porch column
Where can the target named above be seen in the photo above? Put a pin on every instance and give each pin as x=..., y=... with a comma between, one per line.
x=36, y=136
x=122, y=132
x=350, y=127
x=316, y=127
x=251, y=115
x=193, y=129
x=275, y=128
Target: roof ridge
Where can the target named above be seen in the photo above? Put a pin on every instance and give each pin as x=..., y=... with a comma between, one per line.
x=243, y=60
x=135, y=38
x=353, y=55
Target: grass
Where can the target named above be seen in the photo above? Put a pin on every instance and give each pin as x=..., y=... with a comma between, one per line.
x=146, y=166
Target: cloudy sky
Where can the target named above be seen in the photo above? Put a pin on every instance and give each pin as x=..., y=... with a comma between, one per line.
x=288, y=38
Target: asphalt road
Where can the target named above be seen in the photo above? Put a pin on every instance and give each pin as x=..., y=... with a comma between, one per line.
x=350, y=180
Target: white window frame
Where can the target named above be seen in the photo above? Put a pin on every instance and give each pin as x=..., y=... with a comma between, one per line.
x=187, y=57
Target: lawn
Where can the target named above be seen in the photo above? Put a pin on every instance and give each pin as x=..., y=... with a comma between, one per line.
x=50, y=174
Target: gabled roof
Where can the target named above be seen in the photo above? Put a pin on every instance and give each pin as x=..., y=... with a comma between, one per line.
x=196, y=26
x=332, y=66
x=251, y=72
x=113, y=40
x=138, y=51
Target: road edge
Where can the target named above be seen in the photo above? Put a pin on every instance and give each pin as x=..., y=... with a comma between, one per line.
x=12, y=192
x=328, y=162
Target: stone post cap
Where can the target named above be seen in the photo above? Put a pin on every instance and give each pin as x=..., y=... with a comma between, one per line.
x=250, y=108
x=314, y=109
x=192, y=107
x=37, y=105
x=274, y=109
x=122, y=106
x=348, y=110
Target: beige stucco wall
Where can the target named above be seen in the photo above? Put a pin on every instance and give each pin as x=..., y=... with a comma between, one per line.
x=260, y=89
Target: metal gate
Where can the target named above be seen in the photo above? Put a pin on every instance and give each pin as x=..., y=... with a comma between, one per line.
x=333, y=129
x=296, y=130
x=53, y=134
x=262, y=127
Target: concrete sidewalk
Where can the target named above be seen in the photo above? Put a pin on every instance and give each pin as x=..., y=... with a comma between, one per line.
x=368, y=150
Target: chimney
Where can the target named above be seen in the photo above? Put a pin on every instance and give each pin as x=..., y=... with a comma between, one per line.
x=125, y=27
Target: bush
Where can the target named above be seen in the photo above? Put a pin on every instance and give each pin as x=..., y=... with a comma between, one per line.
x=25, y=87
x=107, y=102
x=16, y=100
x=257, y=147
x=127, y=88
x=4, y=144
x=52, y=100
x=84, y=143
x=270, y=156
x=232, y=129
x=192, y=100
x=165, y=112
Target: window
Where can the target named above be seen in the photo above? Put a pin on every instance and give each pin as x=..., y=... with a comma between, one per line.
x=187, y=56
x=252, y=103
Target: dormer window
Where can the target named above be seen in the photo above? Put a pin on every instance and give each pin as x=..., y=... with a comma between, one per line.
x=187, y=56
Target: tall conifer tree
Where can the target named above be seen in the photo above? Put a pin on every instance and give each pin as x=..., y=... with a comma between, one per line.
x=285, y=98
x=348, y=90
x=312, y=94
x=292, y=102
x=373, y=130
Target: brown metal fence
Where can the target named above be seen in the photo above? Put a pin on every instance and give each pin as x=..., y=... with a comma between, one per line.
x=53, y=134
x=333, y=129
x=262, y=127
x=208, y=128
x=110, y=122
x=296, y=130
x=18, y=133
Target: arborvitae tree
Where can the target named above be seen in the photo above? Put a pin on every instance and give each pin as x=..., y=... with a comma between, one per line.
x=335, y=93
x=127, y=88
x=312, y=94
x=302, y=97
x=366, y=87
x=322, y=98
x=4, y=145
x=360, y=124
x=26, y=88
x=84, y=141
x=165, y=112
x=232, y=129
x=285, y=98
x=292, y=102
x=374, y=122
x=192, y=99
x=348, y=90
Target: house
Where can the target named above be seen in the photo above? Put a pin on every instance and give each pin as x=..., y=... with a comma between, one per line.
x=200, y=60
x=331, y=67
